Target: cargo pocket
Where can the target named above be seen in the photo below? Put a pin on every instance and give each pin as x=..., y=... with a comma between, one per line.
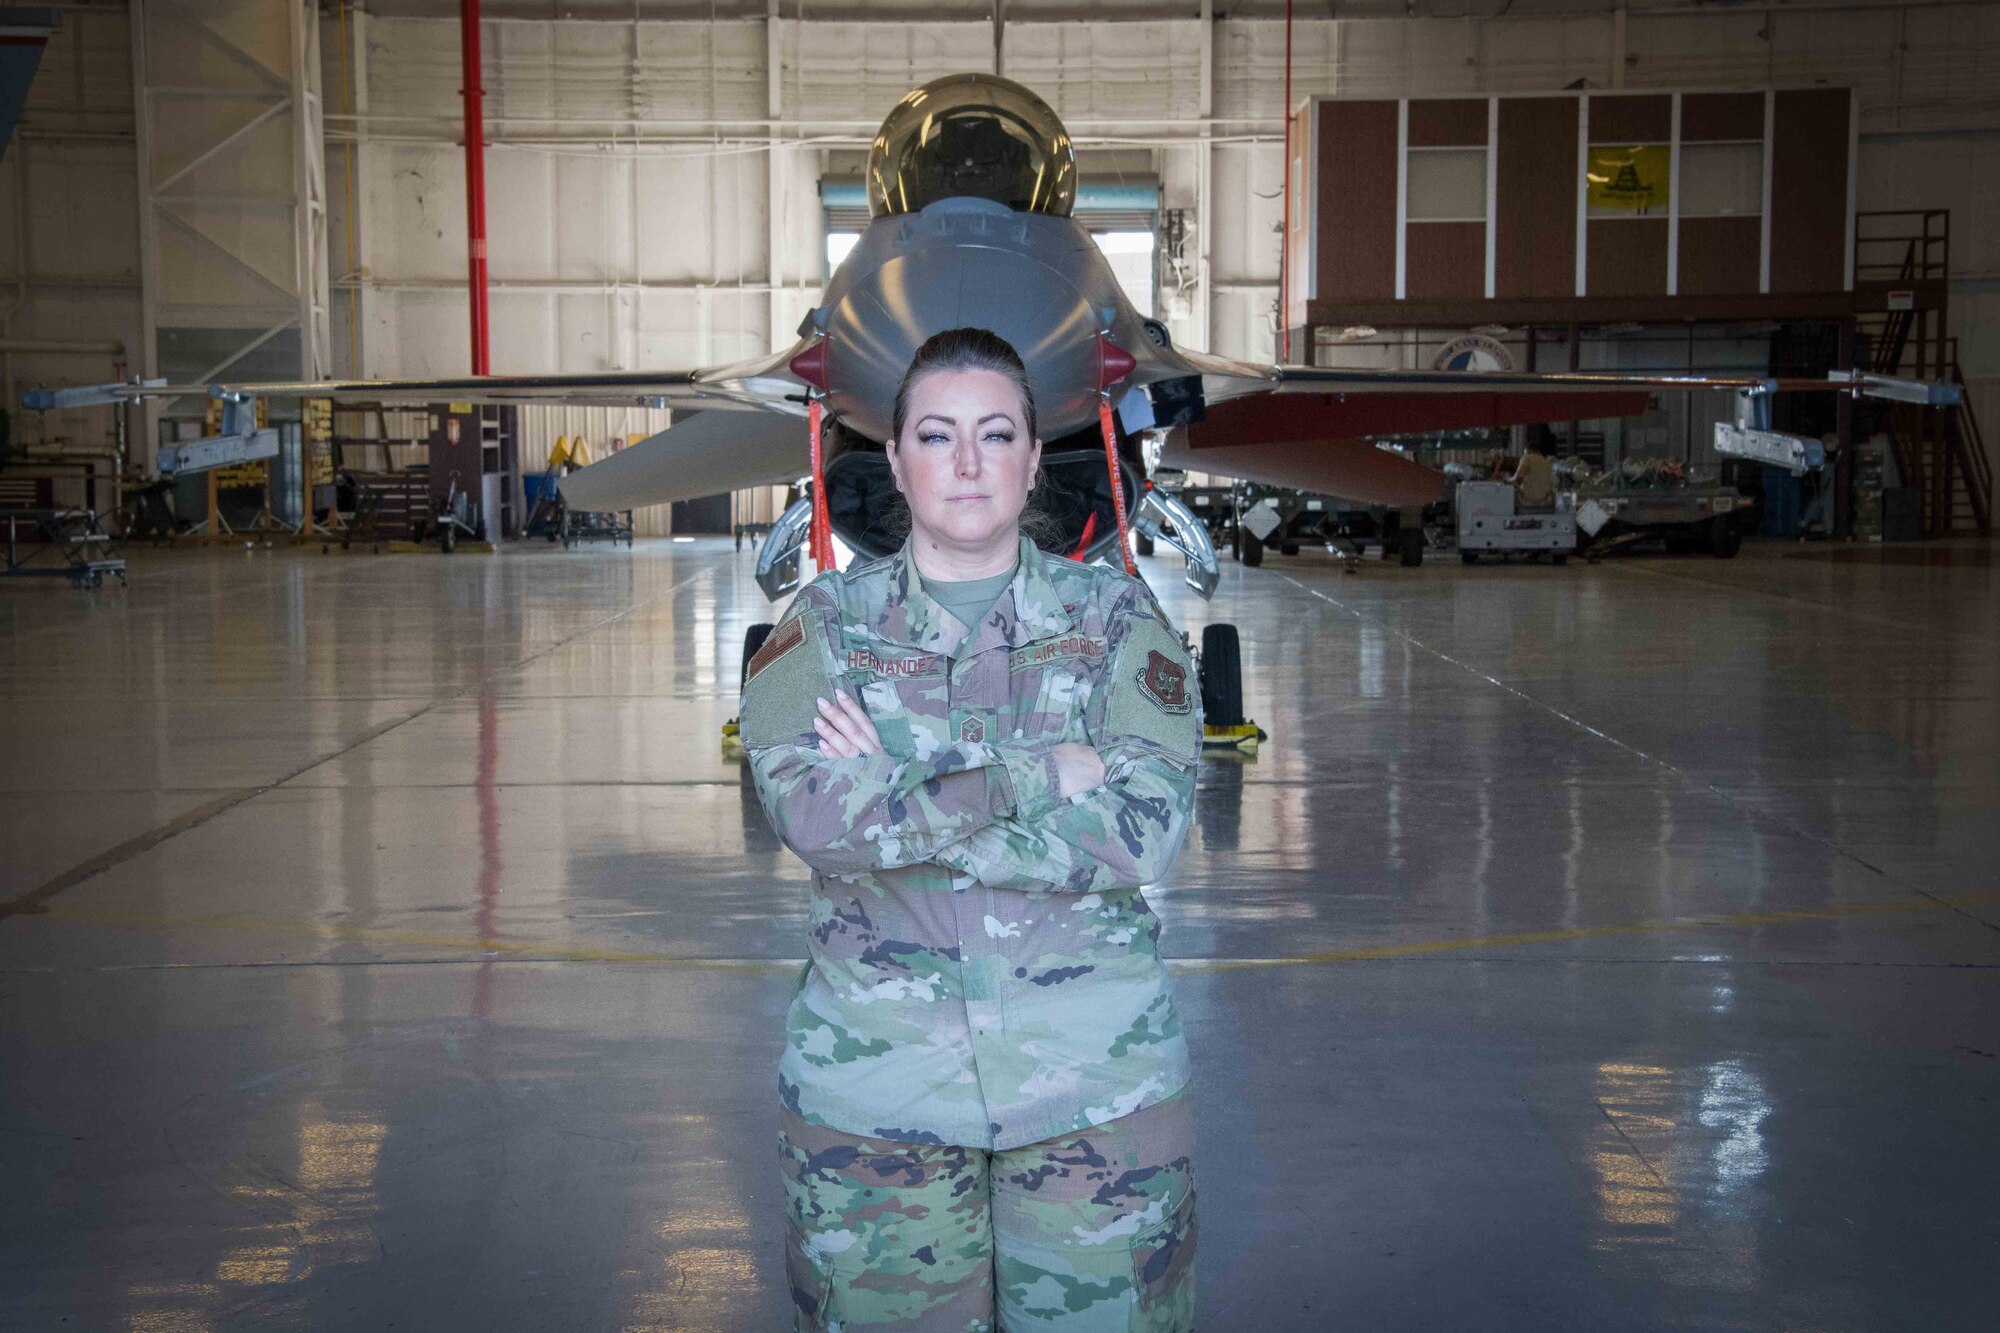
x=1163, y=1271
x=815, y=1289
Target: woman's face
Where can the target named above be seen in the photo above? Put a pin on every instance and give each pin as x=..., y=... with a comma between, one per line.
x=965, y=461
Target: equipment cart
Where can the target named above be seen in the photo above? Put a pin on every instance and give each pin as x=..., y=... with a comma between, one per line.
x=1490, y=524
x=87, y=550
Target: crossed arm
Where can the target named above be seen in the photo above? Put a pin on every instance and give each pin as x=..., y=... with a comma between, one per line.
x=1114, y=825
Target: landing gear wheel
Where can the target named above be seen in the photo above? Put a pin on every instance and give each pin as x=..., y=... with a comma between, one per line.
x=753, y=639
x=1221, y=676
x=1251, y=552
x=1143, y=542
x=1410, y=547
x=448, y=538
x=1724, y=541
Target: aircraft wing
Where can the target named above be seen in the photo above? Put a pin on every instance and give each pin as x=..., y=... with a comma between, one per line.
x=738, y=425
x=1310, y=427
x=761, y=382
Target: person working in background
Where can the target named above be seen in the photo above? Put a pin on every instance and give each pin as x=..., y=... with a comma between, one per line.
x=1535, y=476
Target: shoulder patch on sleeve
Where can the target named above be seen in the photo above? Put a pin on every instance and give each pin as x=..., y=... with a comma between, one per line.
x=1152, y=690
x=786, y=676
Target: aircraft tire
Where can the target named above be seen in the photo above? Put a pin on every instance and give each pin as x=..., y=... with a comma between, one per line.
x=1221, y=676
x=753, y=639
x=1724, y=541
x=1251, y=552
x=1410, y=542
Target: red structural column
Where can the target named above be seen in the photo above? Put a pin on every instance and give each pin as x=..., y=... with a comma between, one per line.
x=475, y=178
x=1285, y=228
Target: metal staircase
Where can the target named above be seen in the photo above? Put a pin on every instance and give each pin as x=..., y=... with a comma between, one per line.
x=1939, y=452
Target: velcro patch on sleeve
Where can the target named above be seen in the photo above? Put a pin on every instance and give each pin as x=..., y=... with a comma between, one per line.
x=1152, y=690
x=786, y=678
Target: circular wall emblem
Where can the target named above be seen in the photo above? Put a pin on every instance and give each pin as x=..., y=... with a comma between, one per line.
x=1475, y=352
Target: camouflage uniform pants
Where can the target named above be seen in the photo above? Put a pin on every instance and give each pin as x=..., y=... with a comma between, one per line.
x=1088, y=1232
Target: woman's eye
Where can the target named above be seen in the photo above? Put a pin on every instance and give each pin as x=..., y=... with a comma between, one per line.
x=1000, y=436
x=934, y=437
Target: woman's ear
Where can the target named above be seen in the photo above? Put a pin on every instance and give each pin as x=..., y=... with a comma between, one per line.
x=890, y=451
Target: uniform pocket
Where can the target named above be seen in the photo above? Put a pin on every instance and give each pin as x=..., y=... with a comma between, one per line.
x=813, y=1288
x=1163, y=1271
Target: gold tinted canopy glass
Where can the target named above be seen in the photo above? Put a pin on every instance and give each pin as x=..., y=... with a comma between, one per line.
x=972, y=134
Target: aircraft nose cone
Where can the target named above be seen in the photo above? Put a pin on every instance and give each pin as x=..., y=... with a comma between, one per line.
x=937, y=280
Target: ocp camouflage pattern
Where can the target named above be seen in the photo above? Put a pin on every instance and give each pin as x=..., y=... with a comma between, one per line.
x=1087, y=1232
x=983, y=967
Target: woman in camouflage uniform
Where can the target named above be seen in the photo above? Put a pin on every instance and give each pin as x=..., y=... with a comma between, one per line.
x=982, y=752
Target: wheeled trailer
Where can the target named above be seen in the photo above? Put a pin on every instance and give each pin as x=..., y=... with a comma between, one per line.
x=87, y=550
x=1684, y=519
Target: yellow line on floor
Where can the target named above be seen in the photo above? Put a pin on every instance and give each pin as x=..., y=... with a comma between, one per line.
x=526, y=950
x=478, y=948
x=1425, y=948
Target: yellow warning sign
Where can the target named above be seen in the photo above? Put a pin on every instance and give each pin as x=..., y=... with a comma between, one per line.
x=1634, y=177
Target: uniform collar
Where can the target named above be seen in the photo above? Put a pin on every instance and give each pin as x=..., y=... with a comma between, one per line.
x=1030, y=609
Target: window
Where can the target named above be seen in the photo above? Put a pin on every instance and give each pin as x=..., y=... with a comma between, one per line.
x=1447, y=185
x=1722, y=180
x=1130, y=254
x=838, y=246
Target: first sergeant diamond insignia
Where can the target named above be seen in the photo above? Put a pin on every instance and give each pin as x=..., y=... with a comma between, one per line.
x=1164, y=681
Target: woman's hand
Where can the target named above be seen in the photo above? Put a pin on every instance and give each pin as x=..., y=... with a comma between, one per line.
x=844, y=730
x=1078, y=768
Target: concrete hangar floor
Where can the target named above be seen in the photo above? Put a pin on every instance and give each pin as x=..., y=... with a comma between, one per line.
x=388, y=943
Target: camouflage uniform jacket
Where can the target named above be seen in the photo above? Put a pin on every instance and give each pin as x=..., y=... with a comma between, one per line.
x=984, y=969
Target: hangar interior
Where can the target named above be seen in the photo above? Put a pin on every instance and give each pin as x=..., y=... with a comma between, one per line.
x=387, y=938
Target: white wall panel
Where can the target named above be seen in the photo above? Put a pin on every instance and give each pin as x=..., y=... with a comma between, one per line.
x=1250, y=66
x=83, y=219
x=852, y=73
x=1110, y=71
x=703, y=218
x=416, y=211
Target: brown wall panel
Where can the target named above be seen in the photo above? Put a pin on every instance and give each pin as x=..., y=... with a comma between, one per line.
x=1648, y=119
x=1445, y=261
x=1809, y=169
x=1707, y=117
x=1628, y=257
x=1535, y=198
x=1356, y=207
x=1719, y=256
x=1448, y=123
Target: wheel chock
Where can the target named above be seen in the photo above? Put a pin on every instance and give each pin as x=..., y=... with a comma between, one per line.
x=1242, y=738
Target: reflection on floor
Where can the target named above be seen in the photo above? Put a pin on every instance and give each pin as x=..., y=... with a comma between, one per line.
x=388, y=939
